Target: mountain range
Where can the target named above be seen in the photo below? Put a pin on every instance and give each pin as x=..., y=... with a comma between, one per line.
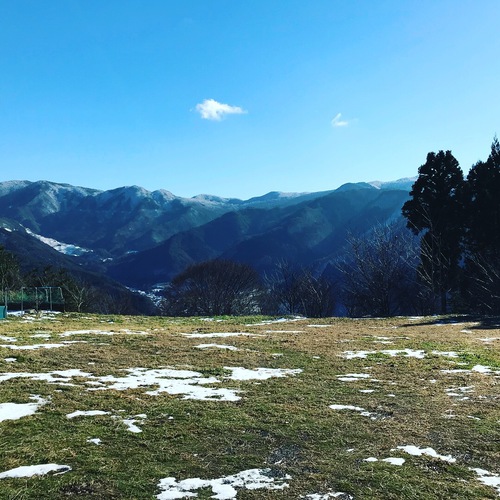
x=138, y=238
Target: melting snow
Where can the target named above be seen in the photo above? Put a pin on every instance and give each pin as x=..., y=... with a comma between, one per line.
x=101, y=332
x=326, y=496
x=8, y=339
x=130, y=423
x=217, y=346
x=14, y=411
x=223, y=488
x=353, y=377
x=240, y=373
x=87, y=413
x=34, y=346
x=410, y=353
x=486, y=370
x=488, y=478
x=214, y=335
x=361, y=411
x=416, y=451
x=34, y=470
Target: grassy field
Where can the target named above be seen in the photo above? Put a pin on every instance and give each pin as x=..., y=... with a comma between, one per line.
x=142, y=408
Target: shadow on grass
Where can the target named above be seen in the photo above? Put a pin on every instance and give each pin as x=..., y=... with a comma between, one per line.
x=482, y=322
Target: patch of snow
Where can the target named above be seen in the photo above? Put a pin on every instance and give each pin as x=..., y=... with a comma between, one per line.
x=130, y=423
x=284, y=331
x=279, y=320
x=217, y=346
x=409, y=353
x=222, y=335
x=361, y=411
x=33, y=347
x=101, y=332
x=86, y=413
x=188, y=383
x=34, y=470
x=65, y=248
x=485, y=370
x=319, y=326
x=353, y=377
x=8, y=339
x=394, y=461
x=449, y=354
x=10, y=360
x=416, y=451
x=94, y=441
x=41, y=336
x=239, y=373
x=327, y=496
x=488, y=478
x=15, y=411
x=223, y=488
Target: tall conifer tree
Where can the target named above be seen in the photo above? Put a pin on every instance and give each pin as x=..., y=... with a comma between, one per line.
x=436, y=209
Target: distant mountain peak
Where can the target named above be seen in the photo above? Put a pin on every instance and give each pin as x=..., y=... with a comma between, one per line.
x=403, y=183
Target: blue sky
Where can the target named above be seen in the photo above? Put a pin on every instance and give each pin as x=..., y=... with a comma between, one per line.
x=237, y=98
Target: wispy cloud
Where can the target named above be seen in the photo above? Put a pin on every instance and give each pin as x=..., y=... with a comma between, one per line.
x=210, y=109
x=338, y=122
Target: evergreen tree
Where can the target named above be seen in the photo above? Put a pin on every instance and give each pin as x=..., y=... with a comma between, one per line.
x=482, y=233
x=436, y=209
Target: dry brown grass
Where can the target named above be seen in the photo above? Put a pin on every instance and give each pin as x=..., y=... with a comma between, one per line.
x=281, y=423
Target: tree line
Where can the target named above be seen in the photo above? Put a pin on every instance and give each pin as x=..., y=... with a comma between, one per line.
x=458, y=220
x=442, y=256
x=76, y=292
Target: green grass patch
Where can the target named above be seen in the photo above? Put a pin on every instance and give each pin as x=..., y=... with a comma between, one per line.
x=281, y=423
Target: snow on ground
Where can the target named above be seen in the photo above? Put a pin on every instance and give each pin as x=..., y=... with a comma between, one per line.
x=361, y=411
x=8, y=339
x=188, y=383
x=10, y=360
x=409, y=353
x=239, y=373
x=34, y=470
x=217, y=346
x=223, y=488
x=275, y=321
x=389, y=460
x=102, y=332
x=36, y=346
x=86, y=413
x=327, y=496
x=488, y=478
x=130, y=423
x=353, y=377
x=14, y=411
x=485, y=370
x=65, y=248
x=417, y=452
x=221, y=335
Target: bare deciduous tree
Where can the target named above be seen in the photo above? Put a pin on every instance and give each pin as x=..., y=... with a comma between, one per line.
x=379, y=274
x=215, y=287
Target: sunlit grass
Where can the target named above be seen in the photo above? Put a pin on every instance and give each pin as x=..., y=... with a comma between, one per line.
x=285, y=424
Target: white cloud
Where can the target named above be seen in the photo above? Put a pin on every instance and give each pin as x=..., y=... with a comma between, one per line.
x=338, y=122
x=210, y=109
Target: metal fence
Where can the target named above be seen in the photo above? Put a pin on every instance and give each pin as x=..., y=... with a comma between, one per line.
x=35, y=297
